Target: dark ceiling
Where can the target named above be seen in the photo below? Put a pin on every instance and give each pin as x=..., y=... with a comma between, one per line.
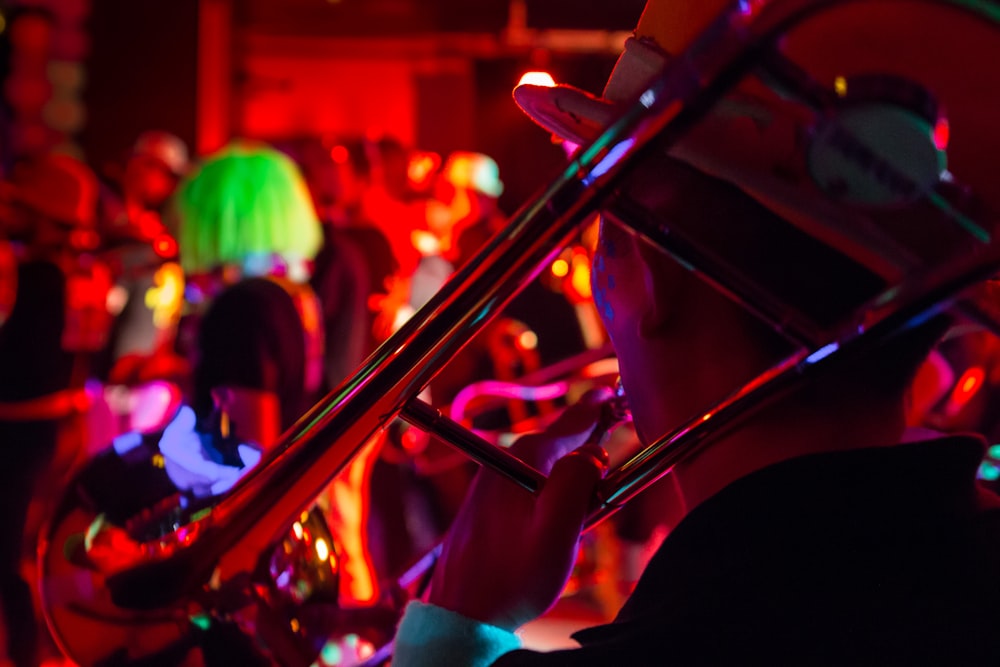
x=343, y=18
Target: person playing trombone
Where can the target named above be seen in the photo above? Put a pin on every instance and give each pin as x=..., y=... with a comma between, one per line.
x=818, y=530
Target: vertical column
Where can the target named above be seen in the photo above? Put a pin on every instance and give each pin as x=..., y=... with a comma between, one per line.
x=214, y=93
x=142, y=74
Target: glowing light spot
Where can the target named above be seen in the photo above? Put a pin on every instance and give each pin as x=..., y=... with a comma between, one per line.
x=822, y=353
x=116, y=299
x=3, y=23
x=322, y=550
x=165, y=246
x=304, y=517
x=166, y=297
x=297, y=530
x=840, y=86
x=425, y=242
x=994, y=452
x=560, y=268
x=365, y=650
x=295, y=625
x=967, y=386
x=201, y=621
x=158, y=461
x=537, y=78
x=705, y=417
x=580, y=279
x=648, y=98
x=403, y=314
x=616, y=153
x=989, y=472
x=942, y=133
x=331, y=653
x=339, y=154
x=422, y=167
x=528, y=340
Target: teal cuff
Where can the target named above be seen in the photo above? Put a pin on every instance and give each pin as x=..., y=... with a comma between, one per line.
x=431, y=635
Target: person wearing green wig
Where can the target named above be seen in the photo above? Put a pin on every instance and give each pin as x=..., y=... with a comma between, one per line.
x=253, y=335
x=247, y=233
x=247, y=206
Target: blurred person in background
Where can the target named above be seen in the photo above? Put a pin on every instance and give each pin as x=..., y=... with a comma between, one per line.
x=342, y=273
x=468, y=189
x=247, y=233
x=253, y=333
x=339, y=176
x=142, y=254
x=390, y=201
x=142, y=372
x=58, y=321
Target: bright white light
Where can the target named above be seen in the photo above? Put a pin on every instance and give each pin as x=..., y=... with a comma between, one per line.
x=116, y=300
x=528, y=340
x=537, y=79
x=322, y=550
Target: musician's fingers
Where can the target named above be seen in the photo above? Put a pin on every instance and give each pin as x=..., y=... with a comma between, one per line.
x=565, y=500
x=571, y=430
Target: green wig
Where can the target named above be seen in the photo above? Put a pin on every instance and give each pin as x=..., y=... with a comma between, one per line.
x=247, y=199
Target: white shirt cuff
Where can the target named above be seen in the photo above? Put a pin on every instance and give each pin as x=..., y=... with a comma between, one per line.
x=431, y=635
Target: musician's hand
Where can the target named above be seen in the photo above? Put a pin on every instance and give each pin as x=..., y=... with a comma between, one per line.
x=509, y=553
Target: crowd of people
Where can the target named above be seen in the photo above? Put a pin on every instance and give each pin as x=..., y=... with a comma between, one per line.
x=212, y=300
x=250, y=281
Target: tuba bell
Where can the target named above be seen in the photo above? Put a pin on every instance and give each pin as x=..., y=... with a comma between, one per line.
x=197, y=576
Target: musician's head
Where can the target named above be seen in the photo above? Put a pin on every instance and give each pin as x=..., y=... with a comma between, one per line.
x=682, y=344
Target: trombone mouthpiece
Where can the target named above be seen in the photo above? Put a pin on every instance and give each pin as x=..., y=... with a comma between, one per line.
x=617, y=407
x=613, y=413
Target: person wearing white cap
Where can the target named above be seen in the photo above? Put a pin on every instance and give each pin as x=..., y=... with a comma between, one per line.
x=817, y=531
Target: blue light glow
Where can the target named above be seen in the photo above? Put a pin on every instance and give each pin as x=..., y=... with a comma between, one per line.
x=822, y=353
x=608, y=161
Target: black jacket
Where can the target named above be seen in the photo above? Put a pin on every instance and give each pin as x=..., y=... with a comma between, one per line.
x=873, y=556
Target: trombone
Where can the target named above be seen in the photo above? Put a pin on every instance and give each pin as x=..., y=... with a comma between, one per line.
x=224, y=542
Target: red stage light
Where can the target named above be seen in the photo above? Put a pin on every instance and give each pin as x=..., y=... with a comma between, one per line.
x=942, y=133
x=339, y=154
x=165, y=246
x=966, y=388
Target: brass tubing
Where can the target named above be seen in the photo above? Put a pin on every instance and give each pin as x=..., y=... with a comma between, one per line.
x=428, y=418
x=320, y=444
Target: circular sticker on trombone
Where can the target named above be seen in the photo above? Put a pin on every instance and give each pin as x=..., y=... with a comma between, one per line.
x=877, y=154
